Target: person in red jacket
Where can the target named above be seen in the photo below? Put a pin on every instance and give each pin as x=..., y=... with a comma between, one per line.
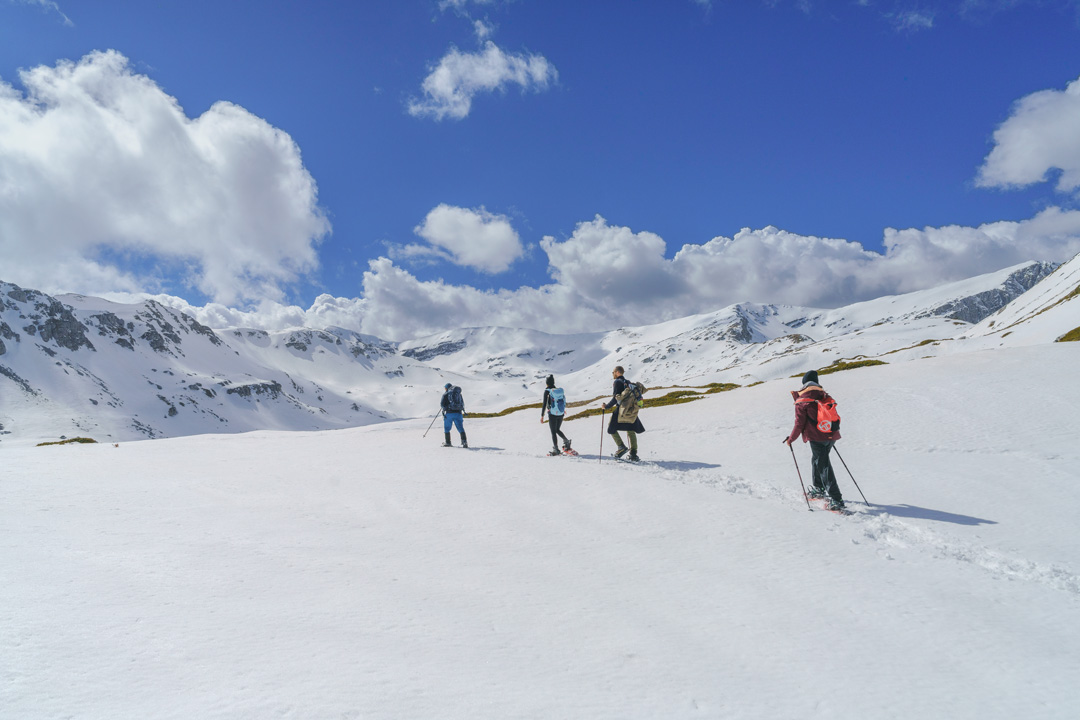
x=821, y=443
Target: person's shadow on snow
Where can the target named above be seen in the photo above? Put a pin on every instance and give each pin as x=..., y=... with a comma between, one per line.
x=911, y=511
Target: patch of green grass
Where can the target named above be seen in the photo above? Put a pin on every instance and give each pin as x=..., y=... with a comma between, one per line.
x=1071, y=336
x=507, y=411
x=68, y=441
x=672, y=398
x=841, y=365
x=720, y=387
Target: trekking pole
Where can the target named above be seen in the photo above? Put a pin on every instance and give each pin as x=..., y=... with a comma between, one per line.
x=602, y=411
x=851, y=476
x=801, y=483
x=432, y=423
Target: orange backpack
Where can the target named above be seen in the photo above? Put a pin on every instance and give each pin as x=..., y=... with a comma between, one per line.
x=828, y=420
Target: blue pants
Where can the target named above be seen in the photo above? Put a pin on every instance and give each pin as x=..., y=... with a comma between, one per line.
x=452, y=418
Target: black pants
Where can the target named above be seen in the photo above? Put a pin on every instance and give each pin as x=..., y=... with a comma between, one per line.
x=824, y=477
x=555, y=422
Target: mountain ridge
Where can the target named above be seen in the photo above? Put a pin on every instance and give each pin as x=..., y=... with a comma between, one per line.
x=78, y=364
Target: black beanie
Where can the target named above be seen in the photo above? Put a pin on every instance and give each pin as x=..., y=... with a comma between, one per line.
x=551, y=381
x=810, y=377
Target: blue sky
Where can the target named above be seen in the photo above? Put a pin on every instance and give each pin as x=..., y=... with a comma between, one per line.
x=409, y=166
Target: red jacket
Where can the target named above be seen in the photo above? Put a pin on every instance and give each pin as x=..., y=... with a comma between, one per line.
x=806, y=417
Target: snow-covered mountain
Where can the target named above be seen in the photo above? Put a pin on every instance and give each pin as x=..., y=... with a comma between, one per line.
x=79, y=365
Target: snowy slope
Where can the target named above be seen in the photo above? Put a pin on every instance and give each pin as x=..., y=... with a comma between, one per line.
x=368, y=573
x=1051, y=309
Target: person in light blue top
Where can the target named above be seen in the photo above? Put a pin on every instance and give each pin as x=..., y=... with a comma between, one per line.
x=554, y=405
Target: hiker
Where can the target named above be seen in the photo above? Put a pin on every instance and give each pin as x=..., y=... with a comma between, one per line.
x=453, y=407
x=554, y=405
x=624, y=416
x=821, y=442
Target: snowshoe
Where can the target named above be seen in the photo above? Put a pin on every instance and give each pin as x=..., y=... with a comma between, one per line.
x=816, y=493
x=553, y=453
x=633, y=457
x=838, y=506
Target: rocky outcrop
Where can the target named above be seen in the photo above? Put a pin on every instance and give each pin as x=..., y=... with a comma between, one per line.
x=423, y=354
x=976, y=308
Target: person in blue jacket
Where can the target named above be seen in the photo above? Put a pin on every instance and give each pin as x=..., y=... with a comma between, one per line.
x=453, y=407
x=554, y=405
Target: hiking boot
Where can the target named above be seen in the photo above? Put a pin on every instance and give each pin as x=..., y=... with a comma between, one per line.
x=566, y=444
x=464, y=442
x=633, y=457
x=446, y=440
x=621, y=451
x=837, y=505
x=555, y=452
x=816, y=493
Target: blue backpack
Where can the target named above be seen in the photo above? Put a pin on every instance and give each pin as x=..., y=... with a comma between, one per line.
x=558, y=401
x=455, y=402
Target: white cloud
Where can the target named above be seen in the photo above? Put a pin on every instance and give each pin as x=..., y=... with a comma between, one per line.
x=101, y=171
x=472, y=238
x=606, y=276
x=450, y=87
x=613, y=265
x=483, y=29
x=912, y=20
x=48, y=5
x=462, y=4
x=1041, y=135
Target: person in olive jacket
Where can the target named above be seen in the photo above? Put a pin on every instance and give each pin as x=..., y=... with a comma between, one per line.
x=821, y=443
x=615, y=425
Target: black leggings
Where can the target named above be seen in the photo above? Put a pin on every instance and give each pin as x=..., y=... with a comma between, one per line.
x=824, y=477
x=555, y=421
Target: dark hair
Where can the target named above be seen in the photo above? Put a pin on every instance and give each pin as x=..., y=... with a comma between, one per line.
x=619, y=369
x=551, y=381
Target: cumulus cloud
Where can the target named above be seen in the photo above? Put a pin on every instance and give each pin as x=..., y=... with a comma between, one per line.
x=613, y=265
x=450, y=87
x=101, y=172
x=1041, y=135
x=471, y=238
x=606, y=276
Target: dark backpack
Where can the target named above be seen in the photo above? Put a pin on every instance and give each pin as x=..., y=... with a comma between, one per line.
x=454, y=401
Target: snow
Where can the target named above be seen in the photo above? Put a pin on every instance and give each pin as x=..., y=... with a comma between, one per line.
x=369, y=573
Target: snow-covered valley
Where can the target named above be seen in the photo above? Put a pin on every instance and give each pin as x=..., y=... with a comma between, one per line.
x=366, y=572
